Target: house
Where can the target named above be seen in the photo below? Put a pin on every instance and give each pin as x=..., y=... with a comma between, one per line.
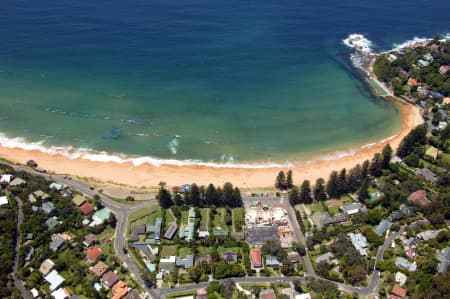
x=405, y=264
x=18, y=182
x=398, y=291
x=327, y=258
x=109, y=279
x=187, y=230
x=256, y=258
x=391, y=57
x=230, y=257
x=186, y=262
x=56, y=242
x=56, y=186
x=352, y=208
x=419, y=198
x=29, y=254
x=87, y=208
x=90, y=240
x=3, y=200
x=100, y=216
x=48, y=207
x=303, y=296
x=41, y=195
x=428, y=235
x=78, y=200
x=293, y=257
x=326, y=220
x=46, y=267
x=99, y=269
x=93, y=254
x=167, y=264
x=432, y=152
x=34, y=292
x=359, y=242
x=60, y=293
x=444, y=260
x=206, y=258
x=136, y=230
x=170, y=233
x=442, y=125
x=272, y=261
x=382, y=227
x=119, y=289
x=203, y=233
x=429, y=176
x=6, y=178
x=410, y=252
x=154, y=230
x=446, y=101
x=146, y=250
x=400, y=278
x=54, y=279
x=267, y=294
x=413, y=82
x=443, y=69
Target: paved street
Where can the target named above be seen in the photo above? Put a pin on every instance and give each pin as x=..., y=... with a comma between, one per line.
x=122, y=212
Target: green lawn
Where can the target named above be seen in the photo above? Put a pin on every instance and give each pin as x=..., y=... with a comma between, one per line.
x=183, y=251
x=169, y=218
x=315, y=207
x=204, y=250
x=142, y=216
x=168, y=251
x=238, y=218
x=219, y=218
x=204, y=213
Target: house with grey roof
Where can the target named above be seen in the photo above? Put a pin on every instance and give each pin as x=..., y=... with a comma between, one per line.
x=405, y=264
x=428, y=235
x=170, y=233
x=272, y=261
x=444, y=260
x=52, y=222
x=326, y=257
x=382, y=227
x=230, y=257
x=54, y=279
x=146, y=250
x=100, y=216
x=167, y=264
x=220, y=231
x=352, y=208
x=48, y=207
x=186, y=262
x=136, y=230
x=56, y=242
x=359, y=242
x=428, y=175
x=154, y=230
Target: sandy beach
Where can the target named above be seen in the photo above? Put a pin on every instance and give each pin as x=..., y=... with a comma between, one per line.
x=149, y=176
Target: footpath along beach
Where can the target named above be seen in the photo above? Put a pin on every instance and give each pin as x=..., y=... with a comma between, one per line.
x=149, y=175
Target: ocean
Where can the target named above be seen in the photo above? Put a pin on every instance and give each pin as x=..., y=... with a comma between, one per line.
x=226, y=82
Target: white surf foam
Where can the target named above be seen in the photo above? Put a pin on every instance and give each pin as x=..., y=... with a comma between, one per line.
x=359, y=42
x=173, y=145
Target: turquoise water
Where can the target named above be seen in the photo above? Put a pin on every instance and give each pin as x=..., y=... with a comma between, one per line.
x=215, y=81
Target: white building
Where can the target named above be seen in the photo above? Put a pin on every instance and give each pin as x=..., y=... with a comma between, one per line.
x=401, y=278
x=54, y=279
x=6, y=178
x=3, y=200
x=359, y=242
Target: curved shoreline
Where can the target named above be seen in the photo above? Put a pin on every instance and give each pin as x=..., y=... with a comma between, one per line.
x=148, y=175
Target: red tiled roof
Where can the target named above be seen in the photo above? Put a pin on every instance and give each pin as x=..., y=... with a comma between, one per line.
x=255, y=257
x=419, y=197
x=87, y=208
x=94, y=253
x=120, y=290
x=398, y=291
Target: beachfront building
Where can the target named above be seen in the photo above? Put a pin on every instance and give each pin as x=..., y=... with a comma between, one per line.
x=187, y=231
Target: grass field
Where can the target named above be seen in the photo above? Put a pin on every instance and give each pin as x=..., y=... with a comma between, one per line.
x=238, y=218
x=204, y=212
x=143, y=216
x=204, y=250
x=168, y=251
x=219, y=218
x=183, y=251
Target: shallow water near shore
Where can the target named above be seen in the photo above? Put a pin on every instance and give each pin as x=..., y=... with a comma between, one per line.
x=211, y=81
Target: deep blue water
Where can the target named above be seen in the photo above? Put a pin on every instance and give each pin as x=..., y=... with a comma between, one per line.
x=209, y=80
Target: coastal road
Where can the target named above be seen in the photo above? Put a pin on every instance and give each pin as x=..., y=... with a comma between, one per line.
x=17, y=281
x=123, y=211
